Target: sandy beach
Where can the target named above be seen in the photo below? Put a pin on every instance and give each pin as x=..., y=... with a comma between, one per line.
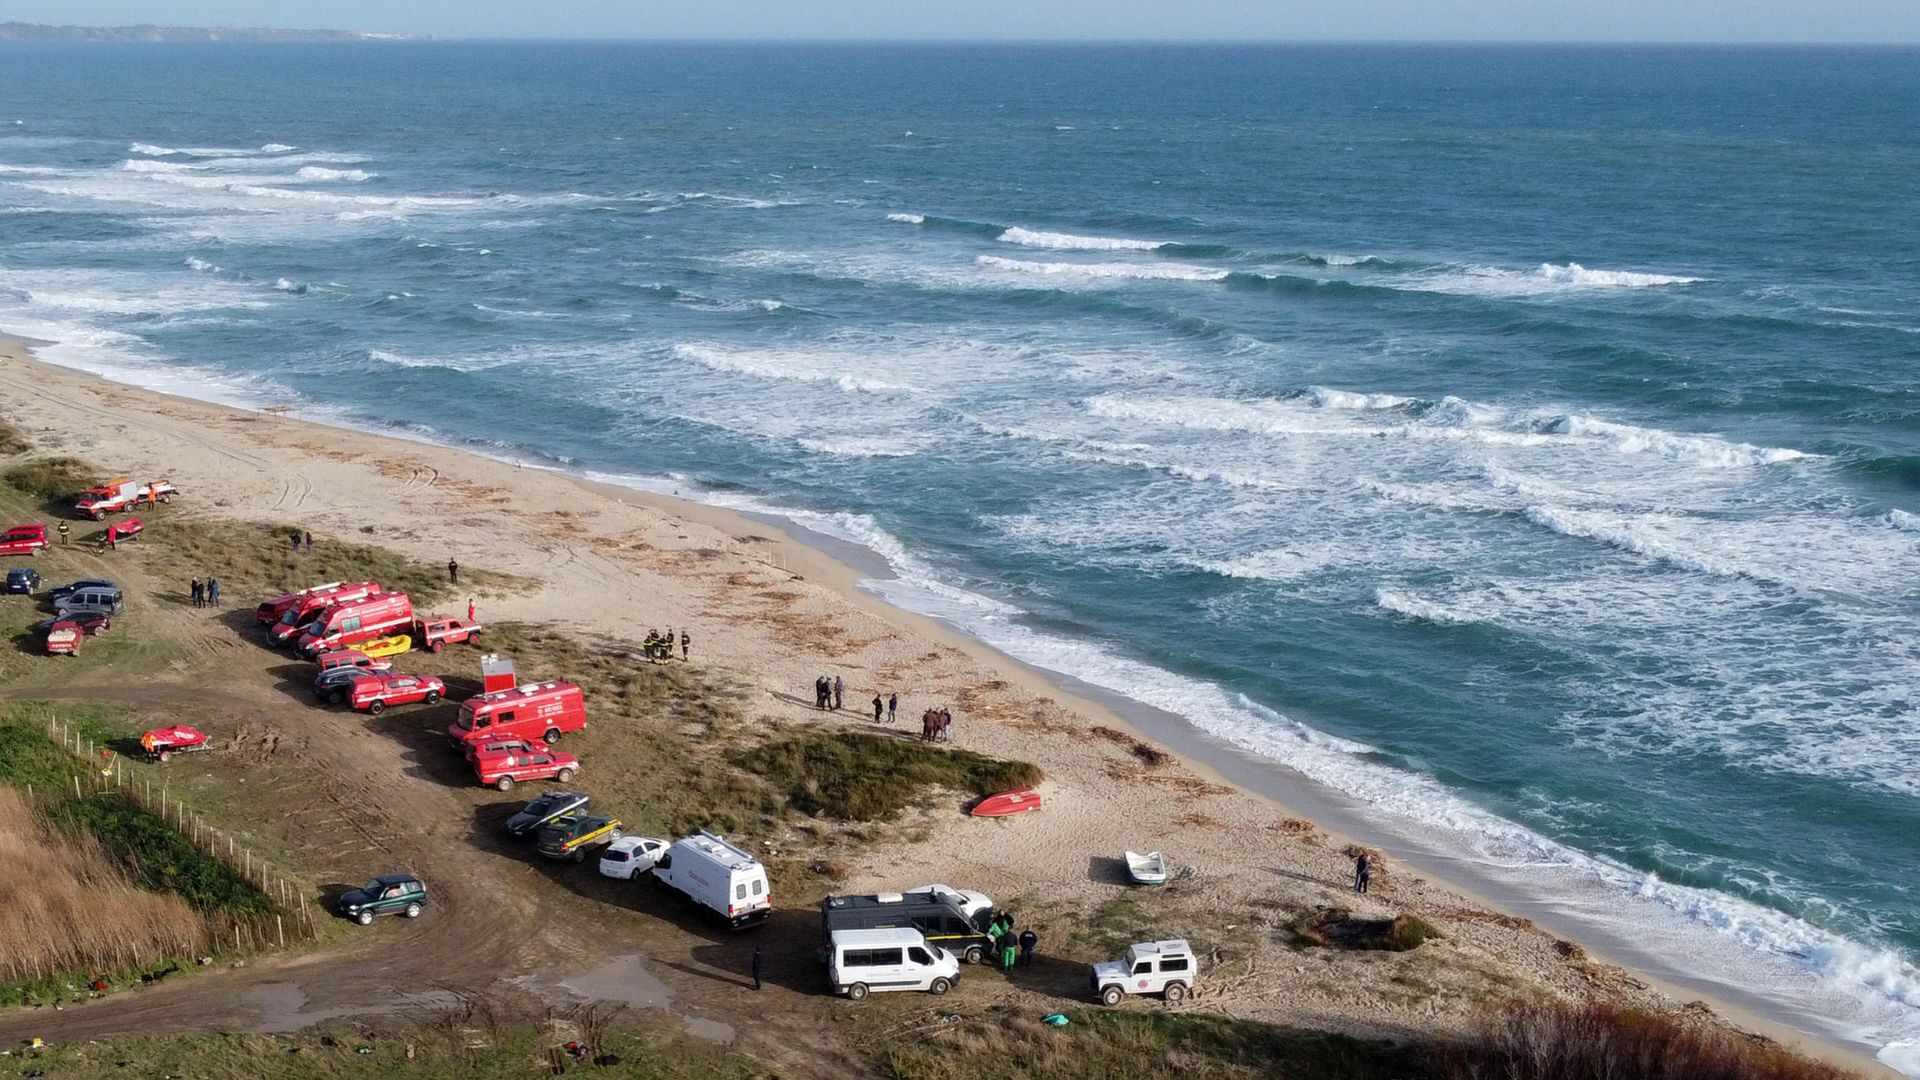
x=770, y=609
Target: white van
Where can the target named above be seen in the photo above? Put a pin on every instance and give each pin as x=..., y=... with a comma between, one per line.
x=898, y=958
x=718, y=876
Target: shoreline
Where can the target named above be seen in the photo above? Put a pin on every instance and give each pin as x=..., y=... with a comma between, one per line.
x=856, y=576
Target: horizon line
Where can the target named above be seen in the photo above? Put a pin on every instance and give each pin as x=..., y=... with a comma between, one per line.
x=385, y=37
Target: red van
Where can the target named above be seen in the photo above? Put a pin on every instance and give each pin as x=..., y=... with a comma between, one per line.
x=541, y=711
x=28, y=539
x=313, y=598
x=293, y=619
x=356, y=621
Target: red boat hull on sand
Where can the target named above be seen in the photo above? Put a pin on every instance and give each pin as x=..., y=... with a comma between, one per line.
x=1007, y=803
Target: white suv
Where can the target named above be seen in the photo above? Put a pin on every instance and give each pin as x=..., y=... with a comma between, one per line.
x=1150, y=967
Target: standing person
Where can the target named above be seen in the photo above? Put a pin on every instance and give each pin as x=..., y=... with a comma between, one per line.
x=453, y=572
x=213, y=592
x=946, y=724
x=820, y=692
x=893, y=707
x=1362, y=872
x=686, y=644
x=1028, y=939
x=469, y=609
x=1009, y=946
x=877, y=706
x=759, y=964
x=839, y=692
x=196, y=592
x=296, y=543
x=666, y=645
x=64, y=530
x=309, y=537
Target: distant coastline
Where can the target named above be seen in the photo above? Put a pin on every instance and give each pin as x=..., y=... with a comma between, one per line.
x=21, y=31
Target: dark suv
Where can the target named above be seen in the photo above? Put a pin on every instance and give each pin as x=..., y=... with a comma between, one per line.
x=546, y=808
x=392, y=894
x=24, y=580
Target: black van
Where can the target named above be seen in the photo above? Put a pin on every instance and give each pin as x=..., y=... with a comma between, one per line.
x=939, y=920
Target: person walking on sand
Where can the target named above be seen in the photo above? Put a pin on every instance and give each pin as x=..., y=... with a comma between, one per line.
x=1362, y=872
x=839, y=692
x=877, y=705
x=213, y=592
x=469, y=609
x=893, y=707
x=196, y=592
x=453, y=572
x=686, y=645
x=759, y=964
x=1028, y=939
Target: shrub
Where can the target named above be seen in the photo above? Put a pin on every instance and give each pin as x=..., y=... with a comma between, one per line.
x=1558, y=1040
x=12, y=440
x=1337, y=928
x=54, y=479
x=859, y=777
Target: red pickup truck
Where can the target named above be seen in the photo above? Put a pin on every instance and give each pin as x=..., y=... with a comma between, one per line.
x=376, y=690
x=504, y=768
x=436, y=632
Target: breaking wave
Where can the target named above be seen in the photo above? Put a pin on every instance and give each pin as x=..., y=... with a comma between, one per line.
x=317, y=172
x=1070, y=242
x=1413, y=607
x=1105, y=271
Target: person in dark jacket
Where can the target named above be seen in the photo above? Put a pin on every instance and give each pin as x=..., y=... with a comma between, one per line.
x=1009, y=948
x=453, y=572
x=878, y=705
x=839, y=692
x=686, y=645
x=893, y=707
x=197, y=592
x=1028, y=939
x=213, y=592
x=759, y=964
x=1362, y=872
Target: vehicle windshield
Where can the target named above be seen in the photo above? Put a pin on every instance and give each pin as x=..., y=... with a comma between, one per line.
x=291, y=616
x=466, y=719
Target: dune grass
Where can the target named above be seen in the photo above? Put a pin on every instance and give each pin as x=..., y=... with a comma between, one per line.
x=1559, y=1040
x=53, y=481
x=1337, y=928
x=1005, y=1044
x=853, y=776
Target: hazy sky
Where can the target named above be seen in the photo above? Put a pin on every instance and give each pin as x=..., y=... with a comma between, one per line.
x=1502, y=20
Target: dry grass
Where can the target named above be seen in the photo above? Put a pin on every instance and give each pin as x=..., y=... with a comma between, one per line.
x=1556, y=1040
x=85, y=913
x=1338, y=928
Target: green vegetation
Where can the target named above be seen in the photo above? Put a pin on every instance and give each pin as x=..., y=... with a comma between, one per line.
x=853, y=776
x=29, y=759
x=253, y=560
x=470, y=1048
x=53, y=480
x=160, y=859
x=1337, y=928
x=1123, y=1044
x=1558, y=1040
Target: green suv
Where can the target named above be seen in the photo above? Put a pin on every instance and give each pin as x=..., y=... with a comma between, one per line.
x=394, y=894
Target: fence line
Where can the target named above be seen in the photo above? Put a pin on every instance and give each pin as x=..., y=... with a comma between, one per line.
x=238, y=858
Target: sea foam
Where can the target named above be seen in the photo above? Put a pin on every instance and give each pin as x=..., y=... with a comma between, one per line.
x=1070, y=242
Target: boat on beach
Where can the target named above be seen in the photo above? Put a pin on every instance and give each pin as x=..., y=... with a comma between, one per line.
x=1147, y=869
x=1007, y=803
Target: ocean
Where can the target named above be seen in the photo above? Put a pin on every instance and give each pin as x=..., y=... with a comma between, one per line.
x=1521, y=442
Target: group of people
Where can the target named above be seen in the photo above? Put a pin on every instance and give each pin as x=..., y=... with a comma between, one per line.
x=828, y=693
x=303, y=541
x=206, y=593
x=1012, y=947
x=658, y=647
